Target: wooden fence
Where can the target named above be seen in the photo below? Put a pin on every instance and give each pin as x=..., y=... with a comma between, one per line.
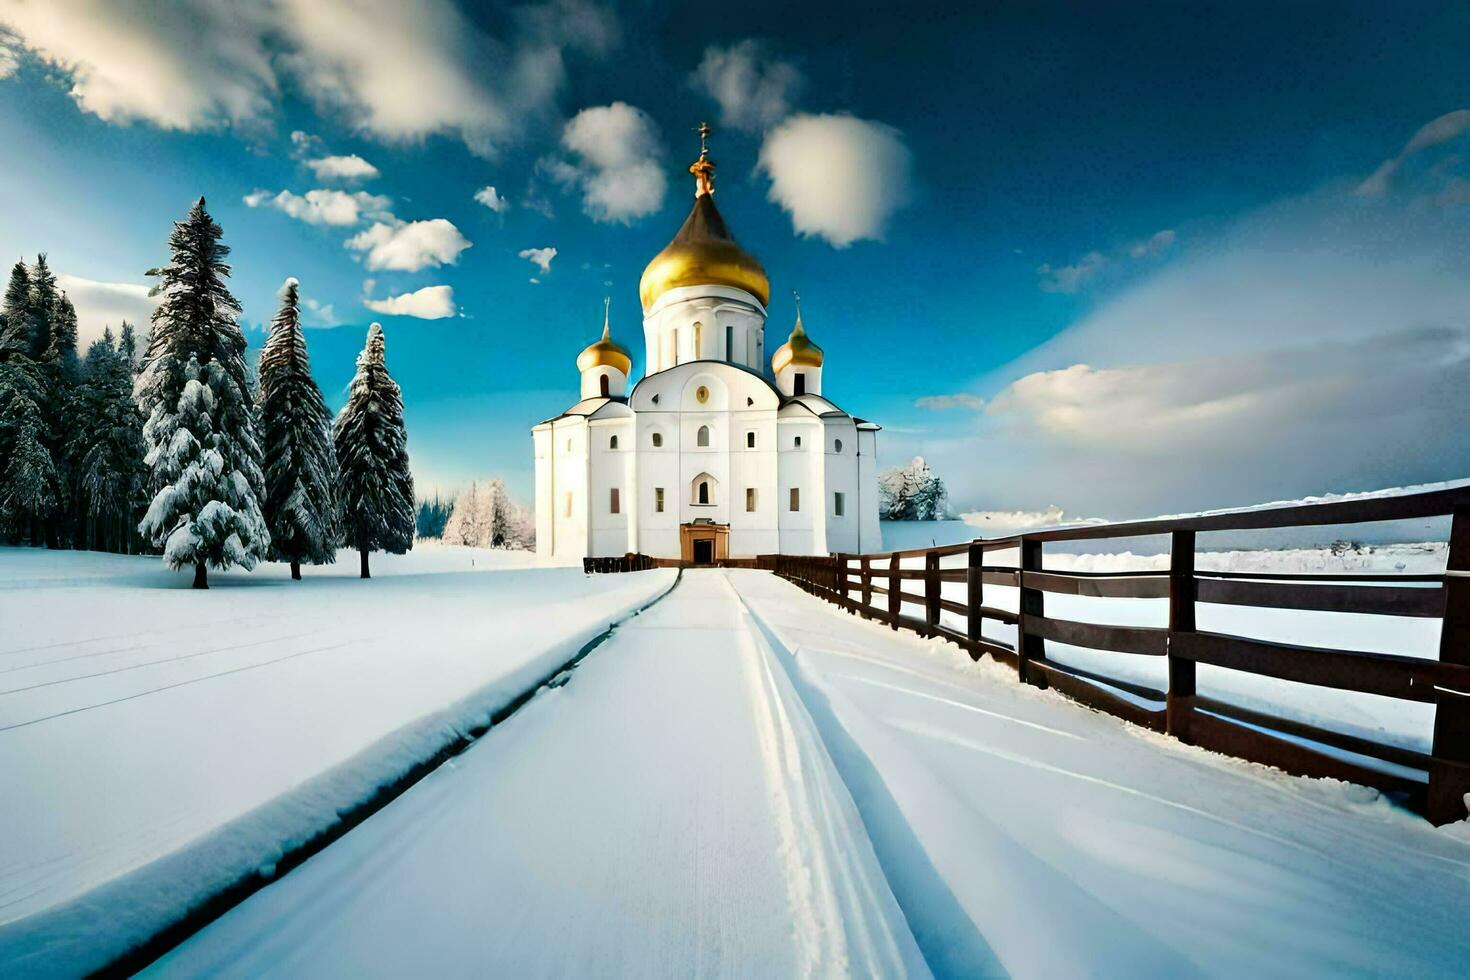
x=879, y=586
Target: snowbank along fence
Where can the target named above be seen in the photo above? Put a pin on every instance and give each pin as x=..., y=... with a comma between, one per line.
x=905, y=589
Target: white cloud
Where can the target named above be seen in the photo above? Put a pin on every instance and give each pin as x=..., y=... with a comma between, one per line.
x=839, y=177
x=429, y=303
x=539, y=257
x=408, y=246
x=317, y=313
x=187, y=66
x=323, y=206
x=9, y=61
x=489, y=197
x=350, y=167
x=1156, y=244
x=944, y=403
x=1094, y=265
x=754, y=89
x=1431, y=134
x=615, y=163
x=106, y=304
x=398, y=71
x=1070, y=278
x=1319, y=344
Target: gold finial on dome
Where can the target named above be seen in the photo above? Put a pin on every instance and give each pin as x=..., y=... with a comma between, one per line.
x=798, y=349
x=703, y=253
x=703, y=169
x=605, y=352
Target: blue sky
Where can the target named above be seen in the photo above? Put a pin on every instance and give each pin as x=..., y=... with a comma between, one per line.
x=1119, y=258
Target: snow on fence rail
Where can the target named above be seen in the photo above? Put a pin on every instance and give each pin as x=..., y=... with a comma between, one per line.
x=1436, y=783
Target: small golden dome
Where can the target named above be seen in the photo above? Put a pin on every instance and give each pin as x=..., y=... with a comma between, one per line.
x=798, y=350
x=605, y=351
x=703, y=253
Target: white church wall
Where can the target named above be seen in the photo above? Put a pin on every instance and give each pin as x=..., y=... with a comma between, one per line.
x=658, y=468
x=669, y=335
x=617, y=382
x=564, y=490
x=611, y=469
x=872, y=536
x=800, y=468
x=840, y=451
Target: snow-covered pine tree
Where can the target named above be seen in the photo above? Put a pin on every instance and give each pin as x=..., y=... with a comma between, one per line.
x=295, y=432
x=466, y=518
x=42, y=306
x=29, y=479
x=375, y=488
x=106, y=449
x=203, y=457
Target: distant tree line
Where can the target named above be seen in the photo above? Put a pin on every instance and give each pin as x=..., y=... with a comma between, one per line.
x=180, y=449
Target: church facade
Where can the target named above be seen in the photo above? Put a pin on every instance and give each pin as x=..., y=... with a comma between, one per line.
x=716, y=452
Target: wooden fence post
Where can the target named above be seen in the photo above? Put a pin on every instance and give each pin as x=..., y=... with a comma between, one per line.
x=894, y=583
x=1449, y=771
x=1029, y=646
x=842, y=577
x=931, y=589
x=975, y=597
x=1179, y=702
x=867, y=583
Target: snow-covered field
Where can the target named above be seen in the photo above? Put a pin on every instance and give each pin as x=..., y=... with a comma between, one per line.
x=743, y=780
x=1405, y=723
x=157, y=743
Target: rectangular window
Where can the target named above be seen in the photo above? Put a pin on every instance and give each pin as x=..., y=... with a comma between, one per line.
x=838, y=503
x=797, y=443
x=750, y=500
x=800, y=382
x=658, y=500
x=613, y=503
x=750, y=440
x=729, y=343
x=795, y=498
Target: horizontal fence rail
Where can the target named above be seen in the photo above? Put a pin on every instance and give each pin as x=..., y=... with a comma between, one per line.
x=880, y=586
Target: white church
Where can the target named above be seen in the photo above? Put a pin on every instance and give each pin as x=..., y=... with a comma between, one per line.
x=713, y=454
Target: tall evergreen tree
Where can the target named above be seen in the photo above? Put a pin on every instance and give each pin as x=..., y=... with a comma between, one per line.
x=295, y=431
x=29, y=478
x=42, y=306
x=203, y=457
x=106, y=450
x=375, y=489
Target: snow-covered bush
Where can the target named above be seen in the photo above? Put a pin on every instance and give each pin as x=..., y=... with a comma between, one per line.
x=912, y=493
x=485, y=516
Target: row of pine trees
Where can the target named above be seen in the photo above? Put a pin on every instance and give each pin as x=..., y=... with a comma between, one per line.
x=181, y=450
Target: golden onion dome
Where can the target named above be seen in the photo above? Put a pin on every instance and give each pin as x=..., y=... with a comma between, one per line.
x=703, y=253
x=605, y=351
x=798, y=350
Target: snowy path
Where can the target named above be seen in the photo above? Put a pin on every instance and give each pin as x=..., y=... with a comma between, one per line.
x=1025, y=833
x=669, y=812
x=156, y=744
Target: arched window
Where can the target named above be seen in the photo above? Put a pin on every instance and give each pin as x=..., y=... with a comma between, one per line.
x=702, y=438
x=702, y=490
x=837, y=445
x=658, y=440
x=602, y=385
x=698, y=338
x=612, y=443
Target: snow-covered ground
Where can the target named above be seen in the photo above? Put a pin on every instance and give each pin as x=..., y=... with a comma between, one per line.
x=1404, y=723
x=156, y=742
x=743, y=780
x=1025, y=834
x=669, y=812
